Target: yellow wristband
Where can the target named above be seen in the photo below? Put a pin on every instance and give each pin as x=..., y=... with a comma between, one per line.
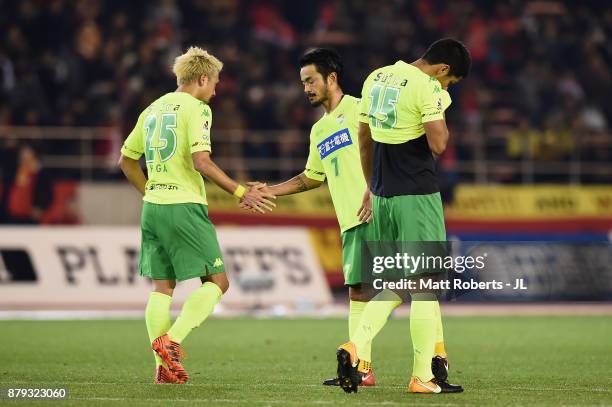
x=239, y=192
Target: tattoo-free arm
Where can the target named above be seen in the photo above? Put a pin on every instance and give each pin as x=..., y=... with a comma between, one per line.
x=365, y=151
x=437, y=136
x=207, y=167
x=132, y=171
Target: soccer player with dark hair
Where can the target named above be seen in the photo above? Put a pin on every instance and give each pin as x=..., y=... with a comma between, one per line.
x=179, y=241
x=334, y=154
x=402, y=129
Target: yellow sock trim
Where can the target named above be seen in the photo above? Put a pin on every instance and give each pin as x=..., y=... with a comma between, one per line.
x=364, y=366
x=440, y=350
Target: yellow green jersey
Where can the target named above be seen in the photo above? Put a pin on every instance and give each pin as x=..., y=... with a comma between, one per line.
x=397, y=99
x=167, y=132
x=334, y=154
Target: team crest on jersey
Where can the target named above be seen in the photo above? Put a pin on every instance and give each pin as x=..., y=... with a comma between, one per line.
x=205, y=126
x=334, y=142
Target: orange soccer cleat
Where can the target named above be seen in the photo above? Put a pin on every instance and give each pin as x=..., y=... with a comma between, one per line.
x=170, y=352
x=164, y=375
x=417, y=386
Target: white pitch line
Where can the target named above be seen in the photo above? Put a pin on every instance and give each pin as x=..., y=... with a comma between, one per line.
x=208, y=385
x=245, y=401
x=552, y=389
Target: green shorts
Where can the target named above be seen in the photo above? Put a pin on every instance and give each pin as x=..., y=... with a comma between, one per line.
x=351, y=252
x=408, y=218
x=179, y=242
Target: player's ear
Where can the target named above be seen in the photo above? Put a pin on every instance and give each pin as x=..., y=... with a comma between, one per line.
x=443, y=70
x=332, y=78
x=203, y=80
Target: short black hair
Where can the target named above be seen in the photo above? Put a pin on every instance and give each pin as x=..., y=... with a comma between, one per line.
x=451, y=52
x=325, y=60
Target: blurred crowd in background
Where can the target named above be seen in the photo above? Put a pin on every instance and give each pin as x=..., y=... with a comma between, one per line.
x=538, y=90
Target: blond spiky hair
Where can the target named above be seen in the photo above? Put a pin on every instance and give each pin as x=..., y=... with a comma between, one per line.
x=194, y=63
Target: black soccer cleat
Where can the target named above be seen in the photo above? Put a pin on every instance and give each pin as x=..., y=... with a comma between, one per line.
x=348, y=377
x=447, y=387
x=332, y=382
x=439, y=368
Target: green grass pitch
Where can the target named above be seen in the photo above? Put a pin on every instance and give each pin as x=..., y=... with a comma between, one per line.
x=528, y=361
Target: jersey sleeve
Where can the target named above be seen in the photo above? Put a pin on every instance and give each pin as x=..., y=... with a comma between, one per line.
x=364, y=104
x=314, y=165
x=357, y=112
x=430, y=101
x=133, y=146
x=198, y=128
x=446, y=100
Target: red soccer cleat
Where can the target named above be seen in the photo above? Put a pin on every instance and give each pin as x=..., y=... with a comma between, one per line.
x=367, y=379
x=170, y=352
x=163, y=375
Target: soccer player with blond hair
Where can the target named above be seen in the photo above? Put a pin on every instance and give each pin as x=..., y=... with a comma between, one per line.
x=179, y=241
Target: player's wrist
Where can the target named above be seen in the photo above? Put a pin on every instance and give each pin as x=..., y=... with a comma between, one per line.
x=240, y=191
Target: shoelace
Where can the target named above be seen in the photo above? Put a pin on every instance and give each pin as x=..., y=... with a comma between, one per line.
x=176, y=352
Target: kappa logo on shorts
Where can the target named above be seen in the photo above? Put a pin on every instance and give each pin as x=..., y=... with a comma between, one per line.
x=218, y=262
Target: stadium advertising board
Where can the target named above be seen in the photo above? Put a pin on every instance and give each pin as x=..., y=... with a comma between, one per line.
x=98, y=267
x=520, y=201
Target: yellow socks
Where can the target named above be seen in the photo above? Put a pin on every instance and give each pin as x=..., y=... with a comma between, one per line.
x=374, y=317
x=423, y=329
x=355, y=312
x=196, y=309
x=157, y=317
x=439, y=348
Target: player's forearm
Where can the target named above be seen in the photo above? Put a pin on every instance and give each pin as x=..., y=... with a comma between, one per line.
x=212, y=171
x=132, y=171
x=437, y=136
x=365, y=151
x=297, y=184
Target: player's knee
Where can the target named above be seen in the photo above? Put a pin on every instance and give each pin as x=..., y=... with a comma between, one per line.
x=220, y=280
x=164, y=286
x=223, y=285
x=356, y=293
x=166, y=291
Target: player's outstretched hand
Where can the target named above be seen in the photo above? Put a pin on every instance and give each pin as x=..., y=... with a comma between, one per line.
x=257, y=198
x=365, y=211
x=262, y=186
